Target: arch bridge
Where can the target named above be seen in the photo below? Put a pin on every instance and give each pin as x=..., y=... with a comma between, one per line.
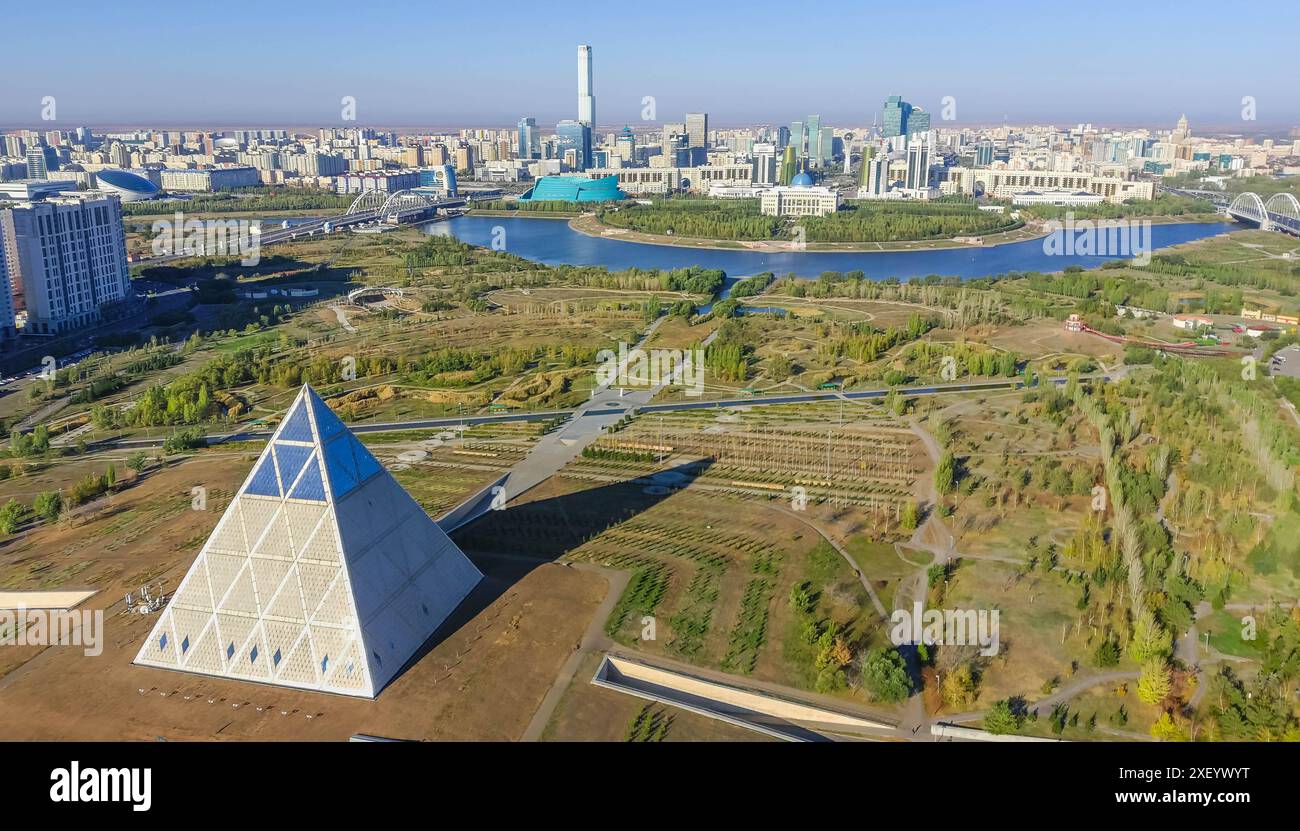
x=356, y=294
x=1280, y=213
x=390, y=204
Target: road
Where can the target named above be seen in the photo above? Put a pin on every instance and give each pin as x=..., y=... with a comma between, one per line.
x=607, y=402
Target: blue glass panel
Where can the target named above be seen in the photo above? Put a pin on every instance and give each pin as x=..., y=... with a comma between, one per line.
x=291, y=458
x=367, y=464
x=310, y=485
x=296, y=427
x=276, y=657
x=263, y=482
x=327, y=424
x=230, y=650
x=162, y=642
x=185, y=644
x=339, y=466
x=324, y=664
x=252, y=656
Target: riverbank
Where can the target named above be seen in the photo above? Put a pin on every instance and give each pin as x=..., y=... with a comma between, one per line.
x=590, y=225
x=524, y=214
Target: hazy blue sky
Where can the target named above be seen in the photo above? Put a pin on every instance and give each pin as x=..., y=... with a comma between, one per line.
x=463, y=63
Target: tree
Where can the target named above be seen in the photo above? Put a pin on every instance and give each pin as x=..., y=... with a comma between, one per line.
x=1167, y=730
x=884, y=675
x=832, y=650
x=1149, y=639
x=909, y=516
x=136, y=461
x=1154, y=683
x=1002, y=718
x=11, y=516
x=48, y=505
x=959, y=688
x=1107, y=654
x=945, y=475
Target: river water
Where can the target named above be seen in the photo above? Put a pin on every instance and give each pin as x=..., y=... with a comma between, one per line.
x=553, y=242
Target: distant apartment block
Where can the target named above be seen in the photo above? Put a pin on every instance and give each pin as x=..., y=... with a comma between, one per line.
x=210, y=179
x=388, y=182
x=67, y=259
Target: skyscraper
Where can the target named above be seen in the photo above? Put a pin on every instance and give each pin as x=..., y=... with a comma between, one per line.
x=918, y=162
x=797, y=139
x=813, y=129
x=697, y=137
x=825, y=146
x=918, y=121
x=529, y=143
x=764, y=163
x=877, y=175
x=789, y=164
x=586, y=101
x=697, y=129
x=575, y=136
x=68, y=254
x=864, y=170
x=894, y=118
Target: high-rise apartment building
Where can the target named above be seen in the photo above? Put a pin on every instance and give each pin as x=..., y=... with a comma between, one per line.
x=6, y=292
x=67, y=256
x=36, y=166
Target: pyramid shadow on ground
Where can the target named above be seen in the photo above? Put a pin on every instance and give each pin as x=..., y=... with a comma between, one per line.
x=508, y=544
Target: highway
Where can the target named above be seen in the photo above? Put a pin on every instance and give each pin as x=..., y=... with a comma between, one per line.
x=608, y=406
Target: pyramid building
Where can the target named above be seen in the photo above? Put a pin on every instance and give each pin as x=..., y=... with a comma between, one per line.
x=323, y=573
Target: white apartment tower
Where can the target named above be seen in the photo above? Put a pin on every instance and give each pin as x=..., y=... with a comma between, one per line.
x=6, y=294
x=586, y=101
x=67, y=259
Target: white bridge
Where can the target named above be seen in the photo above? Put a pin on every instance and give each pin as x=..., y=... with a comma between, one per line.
x=385, y=291
x=399, y=205
x=1280, y=213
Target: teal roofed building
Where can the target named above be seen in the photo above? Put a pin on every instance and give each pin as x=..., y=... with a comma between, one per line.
x=574, y=189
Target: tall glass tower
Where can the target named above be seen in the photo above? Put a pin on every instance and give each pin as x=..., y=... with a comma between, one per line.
x=894, y=120
x=586, y=101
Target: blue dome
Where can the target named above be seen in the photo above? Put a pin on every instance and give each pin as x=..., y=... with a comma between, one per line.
x=128, y=186
x=802, y=180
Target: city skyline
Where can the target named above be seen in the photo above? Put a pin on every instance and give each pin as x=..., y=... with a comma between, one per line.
x=843, y=73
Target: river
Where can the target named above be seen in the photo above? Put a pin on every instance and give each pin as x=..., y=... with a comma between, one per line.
x=553, y=242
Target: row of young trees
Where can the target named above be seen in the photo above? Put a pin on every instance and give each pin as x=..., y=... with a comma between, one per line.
x=872, y=222
x=730, y=220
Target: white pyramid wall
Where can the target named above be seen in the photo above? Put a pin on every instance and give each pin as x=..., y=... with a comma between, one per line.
x=323, y=573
